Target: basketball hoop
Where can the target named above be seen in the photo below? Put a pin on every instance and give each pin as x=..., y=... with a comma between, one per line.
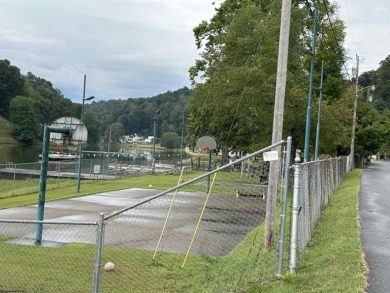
x=205, y=149
x=206, y=143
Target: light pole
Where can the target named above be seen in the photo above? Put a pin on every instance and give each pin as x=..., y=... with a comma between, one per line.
x=182, y=142
x=81, y=143
x=154, y=143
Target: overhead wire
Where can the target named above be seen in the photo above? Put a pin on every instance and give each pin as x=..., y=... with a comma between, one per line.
x=349, y=27
x=247, y=77
x=210, y=90
x=320, y=29
x=334, y=35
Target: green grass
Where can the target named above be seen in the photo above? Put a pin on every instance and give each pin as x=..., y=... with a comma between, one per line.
x=332, y=263
x=10, y=188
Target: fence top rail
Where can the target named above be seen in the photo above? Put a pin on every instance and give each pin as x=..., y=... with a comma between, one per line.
x=48, y=222
x=109, y=216
x=321, y=161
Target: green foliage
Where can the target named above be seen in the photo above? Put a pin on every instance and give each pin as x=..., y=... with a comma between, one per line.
x=235, y=101
x=382, y=92
x=50, y=103
x=170, y=140
x=11, y=85
x=26, y=125
x=372, y=130
x=136, y=114
x=92, y=123
x=114, y=132
x=36, y=102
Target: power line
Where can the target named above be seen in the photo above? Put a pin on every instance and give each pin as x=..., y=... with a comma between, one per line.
x=353, y=40
x=324, y=35
x=334, y=35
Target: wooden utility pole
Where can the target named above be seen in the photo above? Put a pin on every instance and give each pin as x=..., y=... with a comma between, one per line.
x=352, y=154
x=277, y=131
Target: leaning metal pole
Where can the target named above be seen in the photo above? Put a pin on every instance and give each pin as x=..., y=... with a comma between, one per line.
x=308, y=113
x=319, y=114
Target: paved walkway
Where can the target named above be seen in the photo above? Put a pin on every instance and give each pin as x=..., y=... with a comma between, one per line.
x=374, y=210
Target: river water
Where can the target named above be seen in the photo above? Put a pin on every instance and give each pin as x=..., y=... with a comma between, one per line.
x=28, y=154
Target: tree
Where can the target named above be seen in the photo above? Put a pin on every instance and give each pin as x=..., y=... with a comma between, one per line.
x=51, y=104
x=11, y=85
x=114, y=132
x=233, y=101
x=382, y=83
x=26, y=126
x=372, y=130
x=93, y=125
x=170, y=140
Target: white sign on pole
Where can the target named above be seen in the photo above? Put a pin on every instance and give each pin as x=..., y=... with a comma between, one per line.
x=96, y=169
x=271, y=156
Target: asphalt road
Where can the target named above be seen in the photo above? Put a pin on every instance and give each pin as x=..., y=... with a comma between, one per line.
x=374, y=210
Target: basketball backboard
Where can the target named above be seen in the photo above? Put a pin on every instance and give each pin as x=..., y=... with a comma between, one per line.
x=80, y=132
x=206, y=142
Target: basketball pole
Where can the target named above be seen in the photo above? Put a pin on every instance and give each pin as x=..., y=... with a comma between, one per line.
x=67, y=131
x=209, y=169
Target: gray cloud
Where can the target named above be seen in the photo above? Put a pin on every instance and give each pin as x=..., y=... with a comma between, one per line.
x=367, y=31
x=137, y=48
x=126, y=48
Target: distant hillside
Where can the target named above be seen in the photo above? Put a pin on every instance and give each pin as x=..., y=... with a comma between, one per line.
x=136, y=115
x=5, y=131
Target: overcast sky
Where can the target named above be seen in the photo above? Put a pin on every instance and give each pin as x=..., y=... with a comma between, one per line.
x=140, y=48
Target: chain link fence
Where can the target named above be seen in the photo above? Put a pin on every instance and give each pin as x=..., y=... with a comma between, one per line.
x=206, y=234
x=317, y=182
x=64, y=262
x=19, y=179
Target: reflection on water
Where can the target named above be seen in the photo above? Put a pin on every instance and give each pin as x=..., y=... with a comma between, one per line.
x=16, y=153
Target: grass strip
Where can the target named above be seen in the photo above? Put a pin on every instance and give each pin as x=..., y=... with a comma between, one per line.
x=333, y=261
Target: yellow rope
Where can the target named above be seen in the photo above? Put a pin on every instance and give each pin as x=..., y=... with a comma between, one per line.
x=169, y=212
x=200, y=218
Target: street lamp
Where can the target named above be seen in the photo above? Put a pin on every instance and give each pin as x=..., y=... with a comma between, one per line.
x=81, y=143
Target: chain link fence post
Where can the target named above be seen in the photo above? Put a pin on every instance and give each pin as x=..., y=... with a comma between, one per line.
x=295, y=212
x=13, y=183
x=287, y=158
x=98, y=255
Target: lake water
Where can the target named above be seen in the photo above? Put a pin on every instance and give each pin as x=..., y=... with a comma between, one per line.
x=29, y=154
